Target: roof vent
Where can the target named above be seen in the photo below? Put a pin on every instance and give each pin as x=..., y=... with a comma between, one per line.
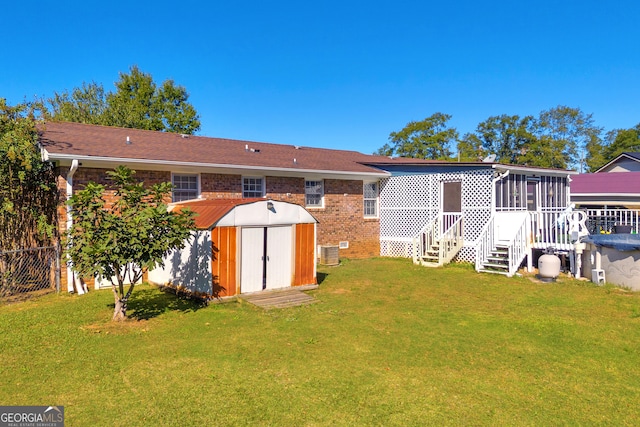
x=128, y=141
x=297, y=147
x=184, y=135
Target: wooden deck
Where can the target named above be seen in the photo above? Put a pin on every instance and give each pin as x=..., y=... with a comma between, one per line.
x=280, y=298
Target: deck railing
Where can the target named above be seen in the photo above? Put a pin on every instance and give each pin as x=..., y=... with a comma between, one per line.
x=444, y=231
x=425, y=239
x=451, y=240
x=558, y=228
x=606, y=220
x=518, y=247
x=485, y=243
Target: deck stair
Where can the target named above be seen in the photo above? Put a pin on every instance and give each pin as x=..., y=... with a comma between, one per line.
x=502, y=256
x=433, y=248
x=498, y=260
x=431, y=255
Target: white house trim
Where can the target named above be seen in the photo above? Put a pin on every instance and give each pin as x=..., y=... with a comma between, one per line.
x=110, y=162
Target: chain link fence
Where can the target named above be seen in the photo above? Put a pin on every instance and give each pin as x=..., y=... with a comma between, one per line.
x=26, y=273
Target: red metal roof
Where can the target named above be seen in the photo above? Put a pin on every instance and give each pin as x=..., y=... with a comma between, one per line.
x=606, y=183
x=210, y=211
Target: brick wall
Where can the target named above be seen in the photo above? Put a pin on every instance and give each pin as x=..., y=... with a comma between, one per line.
x=214, y=185
x=340, y=220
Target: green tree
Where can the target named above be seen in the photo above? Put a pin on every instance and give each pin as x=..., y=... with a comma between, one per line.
x=136, y=103
x=544, y=152
x=87, y=104
x=470, y=148
x=594, y=156
x=566, y=130
x=133, y=235
x=426, y=139
x=506, y=136
x=385, y=150
x=620, y=141
x=27, y=183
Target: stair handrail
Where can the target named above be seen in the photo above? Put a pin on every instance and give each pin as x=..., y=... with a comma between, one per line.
x=451, y=239
x=424, y=239
x=485, y=242
x=517, y=248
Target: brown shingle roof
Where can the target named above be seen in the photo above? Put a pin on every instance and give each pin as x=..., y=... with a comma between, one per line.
x=76, y=140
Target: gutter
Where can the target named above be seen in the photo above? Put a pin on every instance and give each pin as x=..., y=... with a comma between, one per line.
x=493, y=190
x=70, y=273
x=196, y=165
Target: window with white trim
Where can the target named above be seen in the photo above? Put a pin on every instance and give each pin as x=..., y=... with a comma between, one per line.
x=314, y=194
x=252, y=187
x=370, y=198
x=185, y=187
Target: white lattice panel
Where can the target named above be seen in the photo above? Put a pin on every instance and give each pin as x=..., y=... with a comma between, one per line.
x=395, y=248
x=466, y=254
x=409, y=202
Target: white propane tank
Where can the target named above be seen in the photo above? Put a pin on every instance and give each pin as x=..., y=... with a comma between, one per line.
x=548, y=266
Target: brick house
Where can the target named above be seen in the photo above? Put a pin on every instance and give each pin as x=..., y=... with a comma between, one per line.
x=432, y=211
x=339, y=188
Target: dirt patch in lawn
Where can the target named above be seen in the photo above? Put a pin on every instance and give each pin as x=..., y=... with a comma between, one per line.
x=119, y=328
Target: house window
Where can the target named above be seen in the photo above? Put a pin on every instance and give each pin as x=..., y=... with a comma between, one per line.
x=314, y=194
x=185, y=187
x=252, y=187
x=370, y=197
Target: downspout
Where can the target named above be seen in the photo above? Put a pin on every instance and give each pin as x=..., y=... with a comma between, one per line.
x=493, y=190
x=70, y=274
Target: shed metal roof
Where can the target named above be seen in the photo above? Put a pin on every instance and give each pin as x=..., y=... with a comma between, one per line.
x=213, y=212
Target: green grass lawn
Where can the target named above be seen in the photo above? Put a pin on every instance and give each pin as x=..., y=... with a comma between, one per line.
x=387, y=343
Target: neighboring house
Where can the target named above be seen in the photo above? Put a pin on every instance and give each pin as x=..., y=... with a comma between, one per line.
x=433, y=211
x=606, y=190
x=610, y=197
x=625, y=162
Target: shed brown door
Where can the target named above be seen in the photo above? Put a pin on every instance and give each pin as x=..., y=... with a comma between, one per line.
x=452, y=197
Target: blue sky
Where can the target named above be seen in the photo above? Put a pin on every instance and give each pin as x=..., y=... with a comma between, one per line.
x=337, y=74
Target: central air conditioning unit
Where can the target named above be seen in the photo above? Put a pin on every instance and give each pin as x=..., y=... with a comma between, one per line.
x=329, y=255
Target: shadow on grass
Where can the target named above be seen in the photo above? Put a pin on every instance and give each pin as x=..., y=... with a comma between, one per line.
x=320, y=277
x=146, y=304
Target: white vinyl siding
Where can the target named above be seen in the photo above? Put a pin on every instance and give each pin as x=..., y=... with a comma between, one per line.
x=314, y=194
x=185, y=187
